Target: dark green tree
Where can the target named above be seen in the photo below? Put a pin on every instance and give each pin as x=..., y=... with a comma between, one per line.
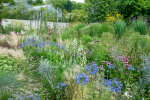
x=68, y=6
x=132, y=8
x=98, y=9
x=2, y=11
x=38, y=2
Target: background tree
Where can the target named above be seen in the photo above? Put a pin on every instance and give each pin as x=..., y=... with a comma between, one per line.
x=98, y=9
x=38, y=2
x=132, y=8
x=2, y=11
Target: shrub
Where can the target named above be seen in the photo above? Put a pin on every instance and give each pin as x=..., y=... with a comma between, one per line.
x=86, y=38
x=73, y=31
x=96, y=29
x=140, y=26
x=120, y=27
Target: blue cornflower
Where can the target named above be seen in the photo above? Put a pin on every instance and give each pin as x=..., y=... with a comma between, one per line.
x=56, y=51
x=62, y=47
x=61, y=85
x=39, y=50
x=92, y=69
x=81, y=78
x=50, y=44
x=19, y=46
x=25, y=44
x=57, y=44
x=113, y=84
x=131, y=68
x=111, y=66
x=41, y=45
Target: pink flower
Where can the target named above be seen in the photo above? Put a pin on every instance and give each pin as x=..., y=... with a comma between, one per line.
x=101, y=66
x=108, y=63
x=126, y=62
x=131, y=77
x=92, y=62
x=89, y=53
x=130, y=57
x=103, y=62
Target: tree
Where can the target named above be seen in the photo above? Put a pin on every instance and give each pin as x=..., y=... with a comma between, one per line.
x=98, y=9
x=68, y=6
x=132, y=8
x=38, y=2
x=2, y=12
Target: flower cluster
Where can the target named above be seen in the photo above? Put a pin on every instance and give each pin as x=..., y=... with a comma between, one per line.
x=61, y=85
x=113, y=85
x=92, y=68
x=81, y=78
x=40, y=45
x=87, y=51
x=109, y=65
x=131, y=68
x=124, y=59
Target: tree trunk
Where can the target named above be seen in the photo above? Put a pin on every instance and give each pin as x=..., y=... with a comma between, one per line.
x=0, y=25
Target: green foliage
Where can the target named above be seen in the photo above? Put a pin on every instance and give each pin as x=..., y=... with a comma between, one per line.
x=98, y=9
x=140, y=26
x=17, y=27
x=78, y=16
x=120, y=27
x=8, y=64
x=86, y=39
x=96, y=29
x=132, y=8
x=2, y=12
x=73, y=31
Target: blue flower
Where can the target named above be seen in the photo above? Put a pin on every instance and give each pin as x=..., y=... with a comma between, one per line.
x=92, y=69
x=62, y=47
x=111, y=66
x=61, y=85
x=56, y=51
x=39, y=50
x=113, y=84
x=131, y=68
x=81, y=78
x=57, y=44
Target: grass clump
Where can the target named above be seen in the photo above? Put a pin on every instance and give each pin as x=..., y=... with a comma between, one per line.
x=120, y=27
x=96, y=29
x=140, y=26
x=73, y=31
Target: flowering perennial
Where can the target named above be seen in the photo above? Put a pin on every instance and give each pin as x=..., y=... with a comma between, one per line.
x=61, y=85
x=92, y=68
x=113, y=84
x=81, y=78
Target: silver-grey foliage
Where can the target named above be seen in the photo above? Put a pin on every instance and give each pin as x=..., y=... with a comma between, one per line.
x=46, y=68
x=145, y=80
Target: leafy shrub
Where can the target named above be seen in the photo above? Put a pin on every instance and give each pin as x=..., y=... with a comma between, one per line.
x=96, y=29
x=86, y=38
x=120, y=27
x=8, y=64
x=140, y=26
x=73, y=31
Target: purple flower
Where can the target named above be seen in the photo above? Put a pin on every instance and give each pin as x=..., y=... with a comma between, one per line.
x=81, y=78
x=61, y=85
x=92, y=68
x=113, y=84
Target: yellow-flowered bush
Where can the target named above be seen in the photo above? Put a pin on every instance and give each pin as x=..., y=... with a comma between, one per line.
x=113, y=17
